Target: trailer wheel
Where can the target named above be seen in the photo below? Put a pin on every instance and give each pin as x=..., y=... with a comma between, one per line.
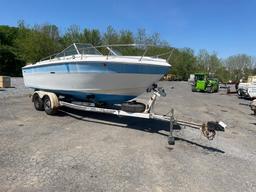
x=38, y=102
x=48, y=108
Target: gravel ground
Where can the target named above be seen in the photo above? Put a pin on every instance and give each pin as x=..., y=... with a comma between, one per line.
x=79, y=151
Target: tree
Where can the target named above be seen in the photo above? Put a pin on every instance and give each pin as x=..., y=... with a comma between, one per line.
x=223, y=74
x=211, y=64
x=92, y=36
x=33, y=44
x=214, y=63
x=73, y=35
x=141, y=37
x=10, y=63
x=51, y=31
x=183, y=63
x=8, y=35
x=21, y=24
x=110, y=36
x=203, y=61
x=126, y=37
x=239, y=66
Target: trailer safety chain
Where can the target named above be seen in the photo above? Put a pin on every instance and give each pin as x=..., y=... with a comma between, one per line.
x=209, y=134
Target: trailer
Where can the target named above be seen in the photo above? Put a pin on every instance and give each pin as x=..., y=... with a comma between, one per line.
x=50, y=103
x=247, y=89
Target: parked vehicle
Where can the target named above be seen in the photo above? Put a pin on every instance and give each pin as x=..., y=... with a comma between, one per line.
x=247, y=89
x=205, y=84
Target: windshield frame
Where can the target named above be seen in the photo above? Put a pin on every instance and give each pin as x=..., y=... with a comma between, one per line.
x=78, y=49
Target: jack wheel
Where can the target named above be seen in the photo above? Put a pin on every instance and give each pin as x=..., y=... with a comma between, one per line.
x=48, y=108
x=171, y=140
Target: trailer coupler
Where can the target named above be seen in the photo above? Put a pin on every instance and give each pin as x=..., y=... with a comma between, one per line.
x=208, y=129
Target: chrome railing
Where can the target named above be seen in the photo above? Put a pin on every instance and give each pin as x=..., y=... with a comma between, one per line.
x=145, y=46
x=111, y=52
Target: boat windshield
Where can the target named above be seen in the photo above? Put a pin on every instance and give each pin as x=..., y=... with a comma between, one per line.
x=84, y=48
x=79, y=48
x=115, y=52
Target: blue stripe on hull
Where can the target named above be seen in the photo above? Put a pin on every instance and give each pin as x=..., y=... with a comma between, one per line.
x=105, y=98
x=96, y=67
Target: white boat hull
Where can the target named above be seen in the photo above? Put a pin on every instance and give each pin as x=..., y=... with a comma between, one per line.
x=111, y=79
x=109, y=87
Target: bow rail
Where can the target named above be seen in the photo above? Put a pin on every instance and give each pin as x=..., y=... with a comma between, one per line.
x=89, y=49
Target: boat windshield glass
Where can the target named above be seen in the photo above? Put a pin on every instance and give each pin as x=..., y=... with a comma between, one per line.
x=84, y=48
x=115, y=52
x=71, y=50
x=79, y=48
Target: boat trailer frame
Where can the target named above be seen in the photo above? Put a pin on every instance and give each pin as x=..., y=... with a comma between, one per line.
x=208, y=129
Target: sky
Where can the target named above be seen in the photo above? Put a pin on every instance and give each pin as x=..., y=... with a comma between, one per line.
x=226, y=27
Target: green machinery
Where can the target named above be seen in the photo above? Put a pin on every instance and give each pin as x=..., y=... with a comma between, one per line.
x=205, y=84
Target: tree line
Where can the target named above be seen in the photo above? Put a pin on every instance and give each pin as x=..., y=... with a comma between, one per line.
x=28, y=44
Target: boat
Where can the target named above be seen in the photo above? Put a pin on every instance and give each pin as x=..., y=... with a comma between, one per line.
x=82, y=72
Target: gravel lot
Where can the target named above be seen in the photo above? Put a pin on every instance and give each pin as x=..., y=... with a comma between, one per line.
x=79, y=151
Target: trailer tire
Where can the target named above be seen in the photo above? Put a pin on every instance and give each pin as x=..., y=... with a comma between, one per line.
x=48, y=108
x=38, y=102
